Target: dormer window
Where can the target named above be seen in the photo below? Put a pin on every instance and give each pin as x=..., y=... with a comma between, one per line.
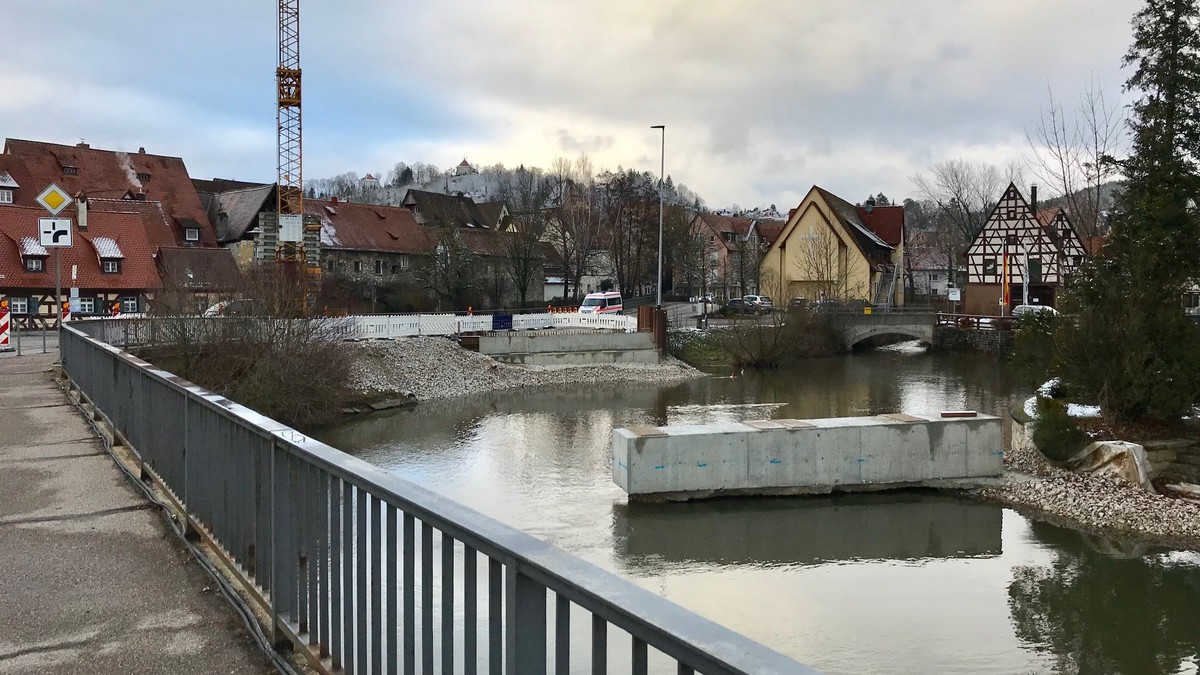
x=110, y=266
x=143, y=177
x=5, y=196
x=70, y=171
x=191, y=234
x=35, y=264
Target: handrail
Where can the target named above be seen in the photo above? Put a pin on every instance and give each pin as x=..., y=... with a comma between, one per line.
x=330, y=544
x=977, y=321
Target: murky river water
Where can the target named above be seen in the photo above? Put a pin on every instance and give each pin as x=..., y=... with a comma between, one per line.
x=902, y=582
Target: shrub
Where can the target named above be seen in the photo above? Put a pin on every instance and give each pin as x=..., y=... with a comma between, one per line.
x=1035, y=351
x=1055, y=433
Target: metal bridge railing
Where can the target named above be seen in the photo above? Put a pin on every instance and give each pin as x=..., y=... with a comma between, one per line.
x=368, y=573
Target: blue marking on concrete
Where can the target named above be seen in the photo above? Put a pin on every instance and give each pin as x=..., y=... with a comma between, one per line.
x=622, y=465
x=860, y=460
x=660, y=466
x=701, y=464
x=776, y=461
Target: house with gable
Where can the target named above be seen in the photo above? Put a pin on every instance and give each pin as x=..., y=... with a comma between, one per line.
x=830, y=249
x=128, y=209
x=1019, y=244
x=730, y=249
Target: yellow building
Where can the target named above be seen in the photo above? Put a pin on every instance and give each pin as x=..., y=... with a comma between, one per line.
x=830, y=249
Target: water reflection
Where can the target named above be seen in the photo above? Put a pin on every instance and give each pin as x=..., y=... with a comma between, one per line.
x=1105, y=608
x=808, y=530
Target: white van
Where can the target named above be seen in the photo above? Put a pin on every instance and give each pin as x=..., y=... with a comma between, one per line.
x=608, y=302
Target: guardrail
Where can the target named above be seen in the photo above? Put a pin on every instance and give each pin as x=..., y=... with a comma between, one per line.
x=142, y=331
x=365, y=572
x=977, y=322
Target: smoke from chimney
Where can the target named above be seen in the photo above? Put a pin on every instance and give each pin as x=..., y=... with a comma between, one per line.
x=130, y=172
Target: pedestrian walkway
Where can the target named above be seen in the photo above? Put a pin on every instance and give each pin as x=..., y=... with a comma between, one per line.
x=91, y=578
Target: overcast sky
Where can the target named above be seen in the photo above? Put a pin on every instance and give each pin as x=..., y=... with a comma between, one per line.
x=761, y=98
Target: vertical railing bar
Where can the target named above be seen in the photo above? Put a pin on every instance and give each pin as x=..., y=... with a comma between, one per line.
x=302, y=499
x=562, y=635
x=336, y=606
x=393, y=589
x=427, y=659
x=470, y=610
x=640, y=662
x=410, y=594
x=685, y=670
x=524, y=624
x=377, y=599
x=447, y=603
x=362, y=540
x=320, y=566
x=495, y=617
x=348, y=638
x=599, y=646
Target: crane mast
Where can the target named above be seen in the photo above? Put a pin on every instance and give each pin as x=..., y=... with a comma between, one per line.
x=290, y=198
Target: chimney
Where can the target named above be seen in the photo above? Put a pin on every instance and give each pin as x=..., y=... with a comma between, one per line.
x=81, y=212
x=81, y=144
x=870, y=205
x=140, y=196
x=333, y=200
x=1033, y=198
x=142, y=150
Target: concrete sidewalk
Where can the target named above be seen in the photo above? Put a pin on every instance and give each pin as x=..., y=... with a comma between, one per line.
x=91, y=578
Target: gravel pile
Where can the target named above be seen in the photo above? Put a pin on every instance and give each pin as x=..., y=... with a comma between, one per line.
x=1101, y=504
x=435, y=367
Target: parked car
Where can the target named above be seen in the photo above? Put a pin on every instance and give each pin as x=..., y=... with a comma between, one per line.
x=826, y=306
x=739, y=306
x=797, y=304
x=1022, y=310
x=762, y=302
x=605, y=302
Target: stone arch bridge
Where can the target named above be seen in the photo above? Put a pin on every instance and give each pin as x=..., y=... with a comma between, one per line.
x=854, y=328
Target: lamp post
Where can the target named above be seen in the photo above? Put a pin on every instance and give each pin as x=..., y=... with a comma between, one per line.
x=661, y=177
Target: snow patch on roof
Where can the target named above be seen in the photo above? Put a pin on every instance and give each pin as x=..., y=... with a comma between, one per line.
x=31, y=246
x=328, y=233
x=6, y=180
x=107, y=248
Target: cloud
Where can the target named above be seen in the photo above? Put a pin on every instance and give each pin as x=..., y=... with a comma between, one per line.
x=761, y=98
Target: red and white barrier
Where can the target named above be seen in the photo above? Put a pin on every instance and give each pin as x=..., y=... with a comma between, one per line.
x=66, y=313
x=4, y=328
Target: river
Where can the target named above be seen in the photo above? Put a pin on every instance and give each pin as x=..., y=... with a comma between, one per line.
x=912, y=582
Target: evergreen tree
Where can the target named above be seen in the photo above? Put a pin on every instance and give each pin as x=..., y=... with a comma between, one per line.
x=1132, y=347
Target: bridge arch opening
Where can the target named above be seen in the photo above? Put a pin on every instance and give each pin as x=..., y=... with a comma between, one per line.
x=884, y=336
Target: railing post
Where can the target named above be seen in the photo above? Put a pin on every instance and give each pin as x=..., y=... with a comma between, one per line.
x=524, y=624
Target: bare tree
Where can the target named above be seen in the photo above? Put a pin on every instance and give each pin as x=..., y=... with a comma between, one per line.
x=452, y=272
x=527, y=194
x=1074, y=153
x=830, y=271
x=965, y=192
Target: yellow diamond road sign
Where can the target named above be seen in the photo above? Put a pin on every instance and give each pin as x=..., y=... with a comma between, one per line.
x=54, y=198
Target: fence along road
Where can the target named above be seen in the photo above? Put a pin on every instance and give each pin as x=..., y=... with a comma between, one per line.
x=369, y=573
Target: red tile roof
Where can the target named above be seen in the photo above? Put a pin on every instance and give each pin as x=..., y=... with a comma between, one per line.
x=108, y=174
x=80, y=262
x=366, y=227
x=885, y=221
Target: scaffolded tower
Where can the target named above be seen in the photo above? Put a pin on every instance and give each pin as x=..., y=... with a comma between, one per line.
x=290, y=199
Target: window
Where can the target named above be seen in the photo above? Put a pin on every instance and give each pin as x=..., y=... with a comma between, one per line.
x=35, y=265
x=357, y=265
x=1078, y=260
x=330, y=265
x=933, y=277
x=5, y=196
x=191, y=234
x=110, y=266
x=129, y=305
x=143, y=176
x=19, y=305
x=87, y=305
x=70, y=170
x=1035, y=270
x=989, y=267
x=378, y=268
x=404, y=263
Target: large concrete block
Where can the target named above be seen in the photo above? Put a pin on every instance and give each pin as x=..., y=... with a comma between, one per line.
x=894, y=451
x=985, y=447
x=780, y=455
x=947, y=449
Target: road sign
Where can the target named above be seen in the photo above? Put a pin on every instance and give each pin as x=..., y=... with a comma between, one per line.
x=55, y=232
x=54, y=199
x=954, y=294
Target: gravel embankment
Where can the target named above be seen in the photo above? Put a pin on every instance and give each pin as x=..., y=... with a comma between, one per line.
x=434, y=367
x=1100, y=504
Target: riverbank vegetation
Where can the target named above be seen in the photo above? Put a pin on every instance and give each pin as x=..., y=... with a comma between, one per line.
x=775, y=341
x=1126, y=343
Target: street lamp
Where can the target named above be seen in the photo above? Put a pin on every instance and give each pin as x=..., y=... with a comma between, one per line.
x=661, y=177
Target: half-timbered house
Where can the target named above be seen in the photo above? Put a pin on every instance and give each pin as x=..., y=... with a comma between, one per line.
x=1016, y=246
